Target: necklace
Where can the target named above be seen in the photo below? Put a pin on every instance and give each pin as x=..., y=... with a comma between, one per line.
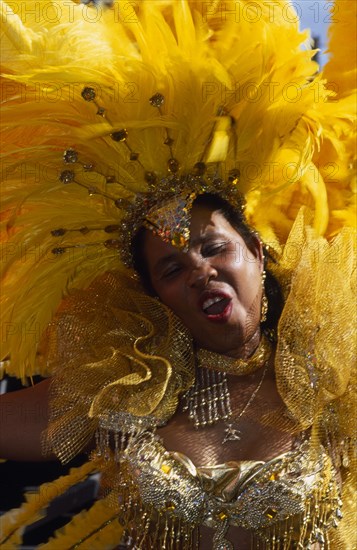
x=231, y=432
x=231, y=365
x=208, y=400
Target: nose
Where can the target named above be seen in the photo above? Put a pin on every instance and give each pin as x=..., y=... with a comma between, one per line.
x=201, y=273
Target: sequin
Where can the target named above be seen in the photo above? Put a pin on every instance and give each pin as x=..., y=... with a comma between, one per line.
x=120, y=135
x=270, y=513
x=111, y=228
x=58, y=251
x=58, y=232
x=112, y=243
x=169, y=141
x=166, y=468
x=67, y=176
x=70, y=156
x=157, y=100
x=173, y=165
x=88, y=94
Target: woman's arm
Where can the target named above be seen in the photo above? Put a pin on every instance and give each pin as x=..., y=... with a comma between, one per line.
x=23, y=418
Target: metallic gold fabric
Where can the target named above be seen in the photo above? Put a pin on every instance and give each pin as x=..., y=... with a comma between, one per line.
x=113, y=350
x=316, y=356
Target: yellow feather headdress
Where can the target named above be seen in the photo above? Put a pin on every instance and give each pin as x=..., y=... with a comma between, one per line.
x=242, y=92
x=289, y=140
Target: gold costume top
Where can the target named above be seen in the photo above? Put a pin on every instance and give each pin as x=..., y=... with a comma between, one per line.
x=103, y=106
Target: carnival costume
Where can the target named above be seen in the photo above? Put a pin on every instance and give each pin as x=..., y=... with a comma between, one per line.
x=120, y=117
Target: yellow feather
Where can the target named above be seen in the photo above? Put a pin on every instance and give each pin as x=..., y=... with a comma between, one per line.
x=200, y=57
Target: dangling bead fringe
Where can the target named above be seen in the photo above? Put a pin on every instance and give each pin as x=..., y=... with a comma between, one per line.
x=208, y=401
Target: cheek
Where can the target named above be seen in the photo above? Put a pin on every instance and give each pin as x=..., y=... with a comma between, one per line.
x=247, y=280
x=169, y=295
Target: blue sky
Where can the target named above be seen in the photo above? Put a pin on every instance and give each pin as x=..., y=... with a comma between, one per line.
x=315, y=14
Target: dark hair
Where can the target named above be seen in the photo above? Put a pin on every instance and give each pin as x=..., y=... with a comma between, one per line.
x=235, y=217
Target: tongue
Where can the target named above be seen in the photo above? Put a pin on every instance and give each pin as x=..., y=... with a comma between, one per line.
x=217, y=308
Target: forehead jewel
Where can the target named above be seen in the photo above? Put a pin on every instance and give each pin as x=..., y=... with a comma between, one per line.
x=171, y=220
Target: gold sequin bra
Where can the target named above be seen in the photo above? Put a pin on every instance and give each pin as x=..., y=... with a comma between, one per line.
x=288, y=502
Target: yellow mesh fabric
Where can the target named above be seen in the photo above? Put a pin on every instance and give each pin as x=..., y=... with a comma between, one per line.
x=113, y=350
x=314, y=361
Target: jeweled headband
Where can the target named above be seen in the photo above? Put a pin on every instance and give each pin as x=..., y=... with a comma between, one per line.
x=166, y=207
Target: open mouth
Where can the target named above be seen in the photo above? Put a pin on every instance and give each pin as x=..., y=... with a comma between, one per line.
x=216, y=306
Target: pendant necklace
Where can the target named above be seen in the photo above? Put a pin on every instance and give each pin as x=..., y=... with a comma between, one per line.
x=208, y=400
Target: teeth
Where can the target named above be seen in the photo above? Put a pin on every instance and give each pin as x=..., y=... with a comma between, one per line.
x=210, y=301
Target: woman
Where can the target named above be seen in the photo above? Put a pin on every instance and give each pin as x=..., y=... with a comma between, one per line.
x=262, y=455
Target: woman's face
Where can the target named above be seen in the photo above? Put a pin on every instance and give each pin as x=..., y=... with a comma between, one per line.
x=215, y=287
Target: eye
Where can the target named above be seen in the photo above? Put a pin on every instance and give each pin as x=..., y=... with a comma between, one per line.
x=213, y=249
x=171, y=271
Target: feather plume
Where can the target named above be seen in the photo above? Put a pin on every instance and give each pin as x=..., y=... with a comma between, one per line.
x=200, y=59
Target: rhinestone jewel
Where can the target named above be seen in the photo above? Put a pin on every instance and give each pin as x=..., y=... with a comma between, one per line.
x=101, y=111
x=120, y=135
x=119, y=203
x=110, y=179
x=70, y=156
x=134, y=156
x=173, y=165
x=111, y=228
x=270, y=513
x=88, y=94
x=112, y=243
x=58, y=232
x=67, y=176
x=169, y=141
x=58, y=251
x=157, y=100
